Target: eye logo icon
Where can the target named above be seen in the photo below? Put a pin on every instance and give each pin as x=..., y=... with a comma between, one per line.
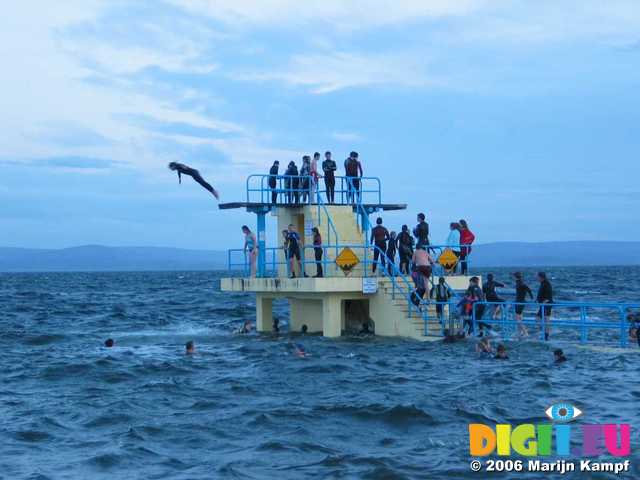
x=563, y=412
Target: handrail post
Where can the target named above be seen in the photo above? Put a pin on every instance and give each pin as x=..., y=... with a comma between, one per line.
x=583, y=324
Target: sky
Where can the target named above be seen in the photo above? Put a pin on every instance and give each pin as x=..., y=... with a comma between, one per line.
x=521, y=117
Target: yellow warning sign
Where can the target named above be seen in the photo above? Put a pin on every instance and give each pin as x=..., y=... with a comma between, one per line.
x=347, y=260
x=448, y=259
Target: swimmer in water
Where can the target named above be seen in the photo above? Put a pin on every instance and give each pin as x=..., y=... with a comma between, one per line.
x=183, y=169
x=246, y=327
x=484, y=346
x=501, y=353
x=109, y=343
x=558, y=356
x=298, y=350
x=304, y=329
x=190, y=347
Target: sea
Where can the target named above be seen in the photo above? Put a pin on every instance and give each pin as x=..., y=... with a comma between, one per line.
x=245, y=407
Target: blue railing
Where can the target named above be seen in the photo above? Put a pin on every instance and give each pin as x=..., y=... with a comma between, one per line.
x=585, y=322
x=297, y=189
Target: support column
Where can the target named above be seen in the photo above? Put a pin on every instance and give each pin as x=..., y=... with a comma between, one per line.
x=262, y=245
x=264, y=313
x=332, y=315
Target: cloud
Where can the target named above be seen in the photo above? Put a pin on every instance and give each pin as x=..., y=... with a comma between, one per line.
x=346, y=136
x=330, y=72
x=68, y=162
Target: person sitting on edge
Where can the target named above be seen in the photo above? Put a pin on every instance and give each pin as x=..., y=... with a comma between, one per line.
x=441, y=293
x=109, y=343
x=545, y=296
x=490, y=294
x=329, y=168
x=501, y=353
x=558, y=356
x=379, y=237
x=273, y=181
x=453, y=242
x=421, y=232
x=293, y=251
x=190, y=347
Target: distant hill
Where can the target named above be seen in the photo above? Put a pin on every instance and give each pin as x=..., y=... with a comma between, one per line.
x=502, y=254
x=101, y=258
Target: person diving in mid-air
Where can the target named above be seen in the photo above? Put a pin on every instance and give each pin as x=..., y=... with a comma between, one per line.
x=183, y=169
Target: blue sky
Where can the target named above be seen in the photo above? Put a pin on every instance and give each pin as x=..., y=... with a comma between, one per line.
x=522, y=117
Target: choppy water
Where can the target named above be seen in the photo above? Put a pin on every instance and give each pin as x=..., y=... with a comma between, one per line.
x=243, y=407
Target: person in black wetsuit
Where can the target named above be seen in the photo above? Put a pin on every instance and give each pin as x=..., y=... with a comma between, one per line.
x=558, y=356
x=293, y=251
x=273, y=177
x=183, y=169
x=379, y=237
x=353, y=172
x=291, y=183
x=490, y=294
x=391, y=253
x=522, y=290
x=441, y=293
x=545, y=295
x=405, y=249
x=329, y=168
x=421, y=232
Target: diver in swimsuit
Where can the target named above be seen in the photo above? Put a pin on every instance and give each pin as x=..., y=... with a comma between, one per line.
x=183, y=169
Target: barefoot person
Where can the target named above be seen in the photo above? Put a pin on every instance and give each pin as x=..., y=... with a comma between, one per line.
x=250, y=248
x=183, y=169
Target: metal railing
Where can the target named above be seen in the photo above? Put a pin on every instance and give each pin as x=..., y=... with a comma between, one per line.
x=584, y=322
x=302, y=189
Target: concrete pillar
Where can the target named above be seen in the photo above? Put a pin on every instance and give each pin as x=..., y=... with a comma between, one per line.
x=262, y=244
x=332, y=316
x=264, y=313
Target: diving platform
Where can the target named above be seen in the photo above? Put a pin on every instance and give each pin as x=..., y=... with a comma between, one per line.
x=348, y=296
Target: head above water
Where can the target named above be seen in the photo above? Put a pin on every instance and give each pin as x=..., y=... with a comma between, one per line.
x=109, y=343
x=501, y=348
x=190, y=346
x=558, y=353
x=304, y=328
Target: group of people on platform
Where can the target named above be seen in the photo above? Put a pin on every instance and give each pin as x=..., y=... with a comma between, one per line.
x=301, y=185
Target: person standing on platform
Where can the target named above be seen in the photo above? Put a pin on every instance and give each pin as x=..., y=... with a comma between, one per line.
x=405, y=249
x=273, y=181
x=291, y=183
x=421, y=232
x=522, y=290
x=329, y=168
x=250, y=248
x=545, y=296
x=313, y=188
x=490, y=294
x=422, y=262
x=353, y=172
x=293, y=253
x=317, y=251
x=305, y=178
x=379, y=237
x=391, y=253
x=466, y=239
